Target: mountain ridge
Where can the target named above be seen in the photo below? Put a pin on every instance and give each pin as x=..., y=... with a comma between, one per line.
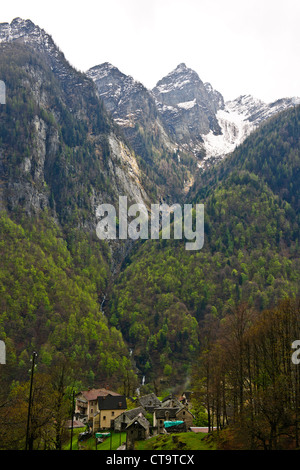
x=182, y=99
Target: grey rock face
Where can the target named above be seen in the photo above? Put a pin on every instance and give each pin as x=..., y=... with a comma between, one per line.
x=255, y=111
x=26, y=32
x=70, y=121
x=123, y=96
x=134, y=108
x=131, y=105
x=188, y=106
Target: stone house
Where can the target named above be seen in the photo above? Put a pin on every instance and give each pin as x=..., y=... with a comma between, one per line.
x=186, y=398
x=137, y=429
x=171, y=402
x=149, y=402
x=163, y=414
x=183, y=414
x=122, y=421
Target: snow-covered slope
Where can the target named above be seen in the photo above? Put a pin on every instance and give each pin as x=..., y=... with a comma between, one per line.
x=237, y=120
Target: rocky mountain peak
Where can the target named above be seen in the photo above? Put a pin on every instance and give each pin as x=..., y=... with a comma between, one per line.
x=103, y=70
x=117, y=90
x=188, y=106
x=26, y=31
x=181, y=78
x=21, y=31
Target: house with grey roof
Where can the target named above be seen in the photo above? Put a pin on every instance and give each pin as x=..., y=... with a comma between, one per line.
x=149, y=402
x=172, y=402
x=121, y=422
x=137, y=429
x=163, y=414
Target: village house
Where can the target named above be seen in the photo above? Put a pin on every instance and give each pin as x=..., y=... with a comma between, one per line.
x=163, y=414
x=121, y=422
x=86, y=403
x=137, y=429
x=108, y=409
x=171, y=402
x=185, y=398
x=149, y=402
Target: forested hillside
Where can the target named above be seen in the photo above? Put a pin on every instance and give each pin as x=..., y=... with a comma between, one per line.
x=58, y=159
x=250, y=254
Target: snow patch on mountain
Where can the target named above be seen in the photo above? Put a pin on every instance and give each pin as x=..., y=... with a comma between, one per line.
x=235, y=128
x=187, y=104
x=237, y=120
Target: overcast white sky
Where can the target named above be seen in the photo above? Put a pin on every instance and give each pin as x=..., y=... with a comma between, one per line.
x=239, y=46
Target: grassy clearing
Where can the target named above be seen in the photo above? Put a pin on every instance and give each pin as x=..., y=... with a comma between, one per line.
x=110, y=443
x=113, y=443
x=180, y=441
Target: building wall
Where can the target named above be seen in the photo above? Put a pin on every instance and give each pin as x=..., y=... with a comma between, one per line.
x=92, y=408
x=160, y=425
x=186, y=416
x=135, y=434
x=118, y=423
x=104, y=418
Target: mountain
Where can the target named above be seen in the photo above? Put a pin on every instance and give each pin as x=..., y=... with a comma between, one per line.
x=186, y=116
x=68, y=145
x=188, y=107
x=134, y=109
x=201, y=121
x=70, y=141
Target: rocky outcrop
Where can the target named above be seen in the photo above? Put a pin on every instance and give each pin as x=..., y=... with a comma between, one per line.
x=134, y=110
x=188, y=107
x=130, y=104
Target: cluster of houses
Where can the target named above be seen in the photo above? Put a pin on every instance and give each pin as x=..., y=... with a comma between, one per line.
x=104, y=410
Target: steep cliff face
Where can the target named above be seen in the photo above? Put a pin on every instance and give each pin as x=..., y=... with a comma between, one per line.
x=61, y=155
x=188, y=107
x=60, y=149
x=134, y=109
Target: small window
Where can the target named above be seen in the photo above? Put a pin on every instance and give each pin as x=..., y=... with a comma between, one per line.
x=113, y=413
x=104, y=418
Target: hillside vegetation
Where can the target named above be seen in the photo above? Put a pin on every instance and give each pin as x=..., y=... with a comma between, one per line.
x=250, y=254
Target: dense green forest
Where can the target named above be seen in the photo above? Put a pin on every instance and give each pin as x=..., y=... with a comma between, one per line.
x=250, y=254
x=50, y=303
